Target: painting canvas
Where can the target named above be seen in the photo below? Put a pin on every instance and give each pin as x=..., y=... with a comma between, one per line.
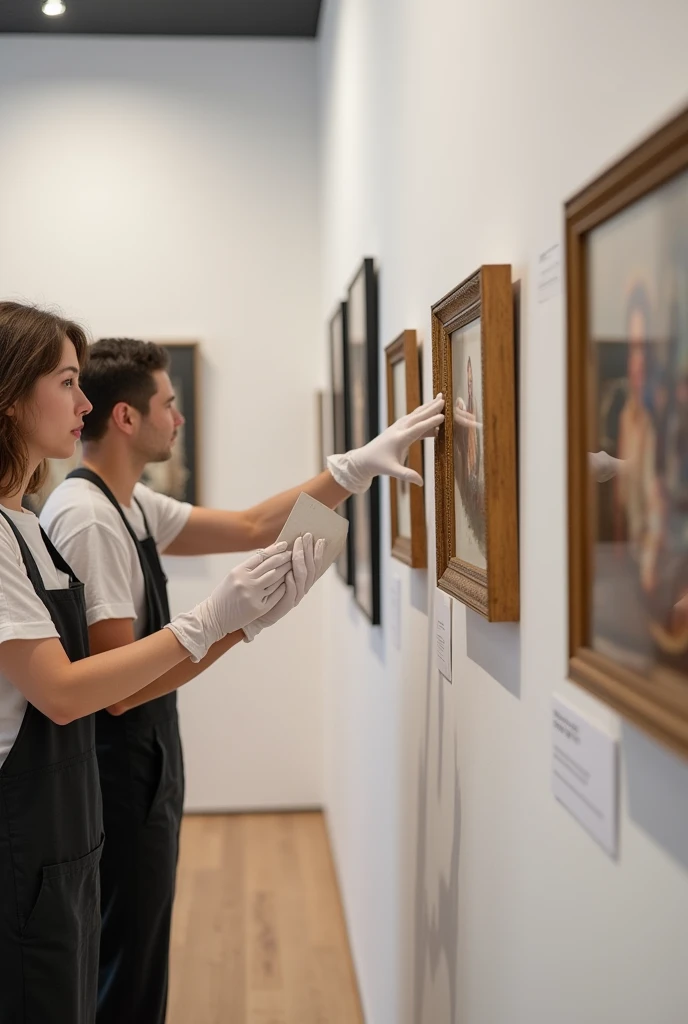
x=628, y=406
x=179, y=476
x=403, y=487
x=362, y=342
x=341, y=425
x=468, y=447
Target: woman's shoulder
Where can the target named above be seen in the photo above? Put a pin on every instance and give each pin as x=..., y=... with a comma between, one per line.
x=9, y=544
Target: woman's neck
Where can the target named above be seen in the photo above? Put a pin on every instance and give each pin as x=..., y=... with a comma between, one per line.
x=12, y=501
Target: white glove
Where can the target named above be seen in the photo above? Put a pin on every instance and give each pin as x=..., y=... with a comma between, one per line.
x=604, y=466
x=248, y=591
x=306, y=565
x=385, y=454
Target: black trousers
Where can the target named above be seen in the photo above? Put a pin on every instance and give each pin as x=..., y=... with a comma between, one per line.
x=142, y=779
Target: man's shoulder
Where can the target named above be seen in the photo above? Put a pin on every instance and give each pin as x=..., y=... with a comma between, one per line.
x=156, y=501
x=75, y=505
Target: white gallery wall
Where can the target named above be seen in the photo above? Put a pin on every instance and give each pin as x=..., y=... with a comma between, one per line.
x=451, y=134
x=167, y=190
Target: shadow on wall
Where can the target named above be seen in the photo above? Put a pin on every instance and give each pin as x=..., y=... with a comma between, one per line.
x=496, y=647
x=651, y=770
x=436, y=921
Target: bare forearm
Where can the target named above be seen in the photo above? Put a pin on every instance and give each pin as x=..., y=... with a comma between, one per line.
x=65, y=691
x=269, y=516
x=177, y=676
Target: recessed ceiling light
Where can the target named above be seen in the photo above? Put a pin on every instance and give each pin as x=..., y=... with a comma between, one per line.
x=53, y=7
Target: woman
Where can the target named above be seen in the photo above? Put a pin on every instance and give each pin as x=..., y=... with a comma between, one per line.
x=50, y=811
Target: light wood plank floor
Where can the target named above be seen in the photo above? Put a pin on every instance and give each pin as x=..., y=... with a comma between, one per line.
x=258, y=935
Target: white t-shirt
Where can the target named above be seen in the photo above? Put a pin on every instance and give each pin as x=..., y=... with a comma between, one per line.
x=23, y=616
x=89, y=533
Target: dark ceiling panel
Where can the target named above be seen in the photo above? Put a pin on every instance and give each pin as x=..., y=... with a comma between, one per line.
x=292, y=18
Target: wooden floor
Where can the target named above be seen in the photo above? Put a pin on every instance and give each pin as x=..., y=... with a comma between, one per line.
x=258, y=935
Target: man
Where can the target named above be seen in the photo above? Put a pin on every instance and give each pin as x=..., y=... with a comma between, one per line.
x=111, y=529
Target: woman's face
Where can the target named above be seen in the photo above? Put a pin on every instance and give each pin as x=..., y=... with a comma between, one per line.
x=52, y=417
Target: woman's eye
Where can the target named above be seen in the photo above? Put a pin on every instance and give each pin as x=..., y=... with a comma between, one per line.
x=69, y=382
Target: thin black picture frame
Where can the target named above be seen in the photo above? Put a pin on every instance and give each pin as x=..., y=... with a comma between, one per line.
x=341, y=425
x=366, y=506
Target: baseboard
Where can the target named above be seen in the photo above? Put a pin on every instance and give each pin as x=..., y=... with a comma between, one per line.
x=295, y=809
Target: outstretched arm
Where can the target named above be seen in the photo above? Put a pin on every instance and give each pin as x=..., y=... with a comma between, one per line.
x=212, y=531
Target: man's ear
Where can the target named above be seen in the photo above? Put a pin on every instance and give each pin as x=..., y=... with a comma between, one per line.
x=124, y=417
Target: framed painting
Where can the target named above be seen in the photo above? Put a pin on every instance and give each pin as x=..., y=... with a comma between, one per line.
x=407, y=504
x=476, y=474
x=362, y=349
x=179, y=477
x=341, y=423
x=627, y=283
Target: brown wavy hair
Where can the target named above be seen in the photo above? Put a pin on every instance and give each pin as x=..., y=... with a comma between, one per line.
x=31, y=342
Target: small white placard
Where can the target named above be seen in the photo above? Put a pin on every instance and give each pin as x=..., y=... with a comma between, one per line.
x=443, y=633
x=549, y=273
x=395, y=611
x=585, y=773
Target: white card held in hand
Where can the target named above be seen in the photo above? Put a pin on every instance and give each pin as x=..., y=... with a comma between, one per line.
x=310, y=516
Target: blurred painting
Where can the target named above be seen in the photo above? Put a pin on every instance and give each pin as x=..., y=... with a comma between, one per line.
x=638, y=329
x=469, y=459
x=178, y=477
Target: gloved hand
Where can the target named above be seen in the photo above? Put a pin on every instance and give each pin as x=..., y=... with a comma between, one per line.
x=248, y=591
x=386, y=453
x=604, y=466
x=306, y=565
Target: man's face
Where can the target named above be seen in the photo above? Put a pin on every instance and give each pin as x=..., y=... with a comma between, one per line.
x=158, y=430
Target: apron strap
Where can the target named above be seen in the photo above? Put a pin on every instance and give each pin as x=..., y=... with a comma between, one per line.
x=32, y=570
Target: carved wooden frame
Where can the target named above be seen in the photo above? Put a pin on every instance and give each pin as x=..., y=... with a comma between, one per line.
x=493, y=593
x=412, y=550
x=658, y=705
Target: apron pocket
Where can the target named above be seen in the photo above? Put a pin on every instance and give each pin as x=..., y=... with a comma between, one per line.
x=60, y=943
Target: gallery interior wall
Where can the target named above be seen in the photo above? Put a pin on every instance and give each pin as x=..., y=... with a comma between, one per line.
x=451, y=134
x=166, y=189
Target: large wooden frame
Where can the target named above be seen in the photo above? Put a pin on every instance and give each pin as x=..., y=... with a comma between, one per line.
x=659, y=705
x=411, y=550
x=494, y=591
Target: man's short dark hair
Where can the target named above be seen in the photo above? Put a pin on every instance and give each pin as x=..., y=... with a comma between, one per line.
x=119, y=370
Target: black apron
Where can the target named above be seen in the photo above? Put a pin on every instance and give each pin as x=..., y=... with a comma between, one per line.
x=142, y=778
x=51, y=835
